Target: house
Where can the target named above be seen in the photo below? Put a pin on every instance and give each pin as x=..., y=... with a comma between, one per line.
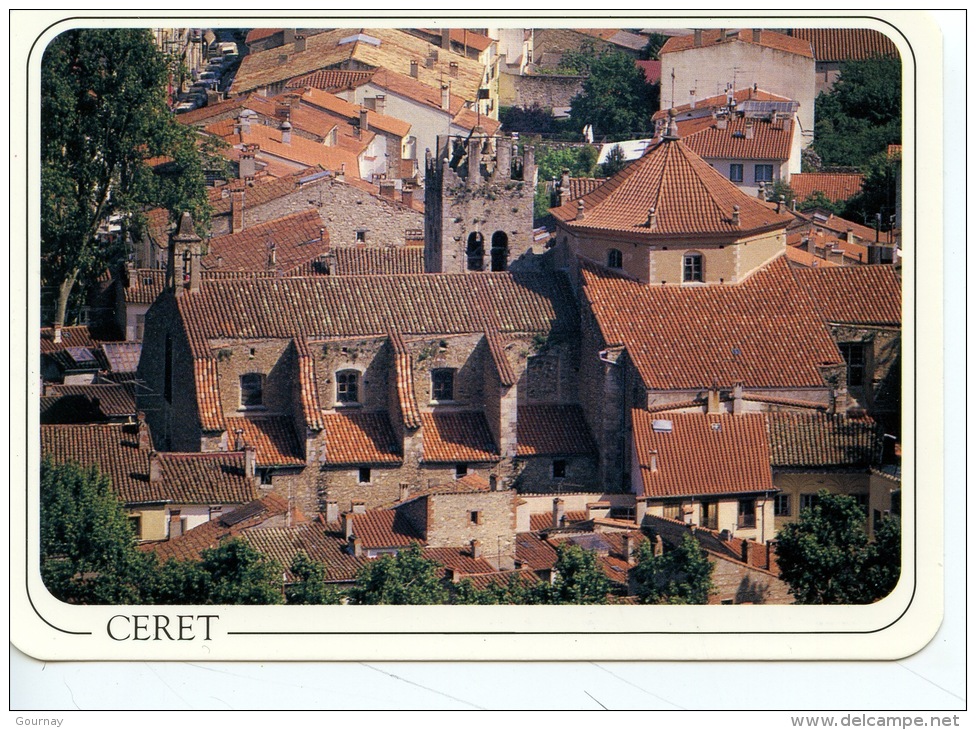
x=832, y=46
x=714, y=61
x=421, y=381
x=164, y=494
x=834, y=186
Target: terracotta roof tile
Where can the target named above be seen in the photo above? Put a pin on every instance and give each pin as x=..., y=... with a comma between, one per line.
x=76, y=336
x=208, y=394
x=296, y=239
x=855, y=294
x=553, y=430
x=830, y=222
x=689, y=197
x=284, y=544
x=496, y=348
x=213, y=478
x=702, y=454
x=104, y=400
x=299, y=150
x=768, y=39
x=384, y=529
x=769, y=141
x=533, y=552
x=144, y=286
x=316, y=98
x=802, y=257
x=375, y=260
x=262, y=191
x=460, y=560
x=308, y=387
x=457, y=437
x=846, y=44
x=834, y=186
x=766, y=331
x=191, y=544
x=330, y=80
x=273, y=438
x=720, y=101
x=122, y=357
x=822, y=440
x=406, y=398
x=360, y=438
x=580, y=186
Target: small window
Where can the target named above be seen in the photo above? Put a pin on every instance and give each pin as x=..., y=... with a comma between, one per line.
x=475, y=517
x=252, y=390
x=347, y=387
x=747, y=513
x=361, y=236
x=672, y=510
x=559, y=469
x=862, y=502
x=365, y=475
x=853, y=353
x=764, y=173
x=442, y=384
x=735, y=172
x=499, y=251
x=807, y=501
x=783, y=506
x=264, y=475
x=693, y=267
x=709, y=515
x=460, y=470
x=135, y=522
x=475, y=251
x=615, y=259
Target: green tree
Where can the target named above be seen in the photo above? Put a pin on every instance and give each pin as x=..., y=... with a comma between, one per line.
x=878, y=193
x=103, y=114
x=88, y=550
x=310, y=587
x=552, y=160
x=819, y=200
x=516, y=591
x=655, y=42
x=615, y=98
x=238, y=575
x=579, y=577
x=407, y=578
x=861, y=115
x=682, y=575
x=614, y=163
x=825, y=557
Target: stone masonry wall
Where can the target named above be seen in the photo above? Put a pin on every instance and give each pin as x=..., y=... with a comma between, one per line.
x=457, y=519
x=739, y=583
x=545, y=90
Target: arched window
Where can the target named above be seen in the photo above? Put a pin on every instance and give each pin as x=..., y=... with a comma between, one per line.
x=694, y=267
x=499, y=251
x=476, y=252
x=615, y=259
x=252, y=390
x=347, y=386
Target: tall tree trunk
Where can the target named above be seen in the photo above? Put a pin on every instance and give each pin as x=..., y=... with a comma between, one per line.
x=64, y=291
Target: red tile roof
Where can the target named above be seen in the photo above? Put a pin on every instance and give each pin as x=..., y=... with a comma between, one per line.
x=821, y=440
x=296, y=239
x=308, y=387
x=580, y=186
x=766, y=331
x=533, y=552
x=496, y=348
x=846, y=44
x=262, y=191
x=113, y=400
x=768, y=39
x=457, y=437
x=330, y=80
x=651, y=69
x=689, y=197
x=553, y=430
x=855, y=294
x=406, y=398
x=329, y=548
x=191, y=544
x=273, y=438
x=384, y=529
x=213, y=478
x=360, y=438
x=834, y=186
x=373, y=260
x=840, y=226
x=76, y=336
x=319, y=99
x=720, y=101
x=299, y=150
x=702, y=454
x=144, y=286
x=798, y=255
x=854, y=252
x=769, y=141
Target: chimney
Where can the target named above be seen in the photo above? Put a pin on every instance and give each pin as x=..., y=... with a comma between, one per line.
x=721, y=121
x=558, y=512
x=810, y=245
x=272, y=255
x=737, y=399
x=580, y=210
x=299, y=43
x=359, y=508
x=735, y=215
x=331, y=512
x=850, y=235
x=145, y=441
x=288, y=35
x=446, y=39
x=250, y=461
x=454, y=69
x=781, y=204
x=247, y=165
x=445, y=97
x=57, y=334
x=381, y=103
x=629, y=555
x=714, y=399
x=341, y=174
x=658, y=546
x=476, y=549
x=355, y=546
x=492, y=483
x=406, y=197
x=286, y=132
x=388, y=189
x=749, y=129
x=347, y=524
x=245, y=120
x=753, y=554
x=414, y=69
x=363, y=120
x=757, y=35
x=761, y=190
x=282, y=109
x=691, y=100
x=698, y=37
x=155, y=468
x=653, y=454
x=237, y=210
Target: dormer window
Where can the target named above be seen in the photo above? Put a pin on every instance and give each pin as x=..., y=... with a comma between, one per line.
x=615, y=259
x=252, y=390
x=347, y=387
x=694, y=269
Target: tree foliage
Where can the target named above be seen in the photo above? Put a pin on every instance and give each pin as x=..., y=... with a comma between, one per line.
x=238, y=575
x=88, y=550
x=878, y=194
x=579, y=577
x=310, y=587
x=861, y=115
x=615, y=162
x=616, y=98
x=103, y=114
x=516, y=592
x=407, y=578
x=682, y=575
x=825, y=557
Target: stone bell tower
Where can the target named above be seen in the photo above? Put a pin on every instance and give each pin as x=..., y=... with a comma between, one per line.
x=185, y=251
x=479, y=201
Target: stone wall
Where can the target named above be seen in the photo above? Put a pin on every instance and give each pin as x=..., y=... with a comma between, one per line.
x=341, y=484
x=544, y=90
x=272, y=360
x=489, y=517
x=738, y=583
x=535, y=474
